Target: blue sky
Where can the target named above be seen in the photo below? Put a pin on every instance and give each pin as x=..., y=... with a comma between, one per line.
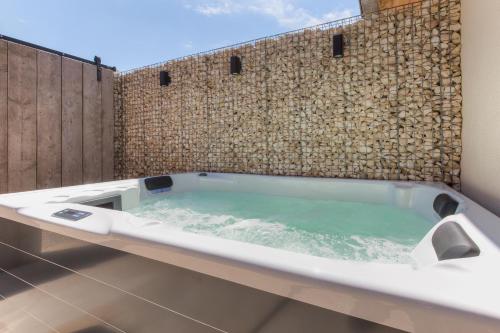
x=134, y=33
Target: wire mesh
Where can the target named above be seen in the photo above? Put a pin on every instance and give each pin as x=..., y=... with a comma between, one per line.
x=390, y=108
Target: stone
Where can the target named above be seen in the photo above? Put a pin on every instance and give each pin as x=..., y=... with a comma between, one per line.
x=389, y=109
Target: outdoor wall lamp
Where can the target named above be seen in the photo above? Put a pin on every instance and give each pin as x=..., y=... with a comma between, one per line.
x=97, y=61
x=235, y=65
x=165, y=79
x=338, y=46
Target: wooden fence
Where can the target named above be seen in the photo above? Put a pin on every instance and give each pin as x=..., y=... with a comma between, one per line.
x=56, y=120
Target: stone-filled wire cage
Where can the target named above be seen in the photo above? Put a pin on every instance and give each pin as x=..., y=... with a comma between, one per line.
x=390, y=108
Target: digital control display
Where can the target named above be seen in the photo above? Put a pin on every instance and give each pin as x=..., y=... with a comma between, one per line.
x=71, y=214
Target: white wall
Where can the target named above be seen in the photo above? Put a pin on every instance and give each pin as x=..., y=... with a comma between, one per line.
x=481, y=102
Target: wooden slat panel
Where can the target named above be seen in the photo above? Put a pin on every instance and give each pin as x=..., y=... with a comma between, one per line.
x=3, y=117
x=92, y=126
x=108, y=125
x=48, y=120
x=21, y=118
x=72, y=113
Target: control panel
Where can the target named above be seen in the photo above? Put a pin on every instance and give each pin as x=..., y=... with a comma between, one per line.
x=71, y=214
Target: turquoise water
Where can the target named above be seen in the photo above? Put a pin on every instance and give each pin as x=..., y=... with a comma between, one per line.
x=325, y=228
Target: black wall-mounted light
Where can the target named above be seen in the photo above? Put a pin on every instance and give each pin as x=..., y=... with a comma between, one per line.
x=165, y=79
x=235, y=65
x=97, y=61
x=338, y=46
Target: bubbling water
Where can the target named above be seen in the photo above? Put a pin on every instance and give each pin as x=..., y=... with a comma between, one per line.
x=325, y=228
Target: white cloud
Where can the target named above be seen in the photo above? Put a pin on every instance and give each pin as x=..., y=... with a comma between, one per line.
x=188, y=45
x=285, y=12
x=217, y=7
x=332, y=16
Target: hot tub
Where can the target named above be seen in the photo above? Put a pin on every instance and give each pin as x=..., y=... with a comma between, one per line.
x=377, y=255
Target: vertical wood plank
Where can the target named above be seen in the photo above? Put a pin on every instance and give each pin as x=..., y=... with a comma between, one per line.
x=72, y=122
x=21, y=118
x=48, y=120
x=92, y=126
x=108, y=125
x=3, y=117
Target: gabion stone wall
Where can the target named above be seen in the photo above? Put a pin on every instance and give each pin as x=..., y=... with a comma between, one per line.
x=389, y=109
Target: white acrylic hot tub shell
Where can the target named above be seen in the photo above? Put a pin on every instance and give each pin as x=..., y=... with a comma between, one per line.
x=450, y=296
